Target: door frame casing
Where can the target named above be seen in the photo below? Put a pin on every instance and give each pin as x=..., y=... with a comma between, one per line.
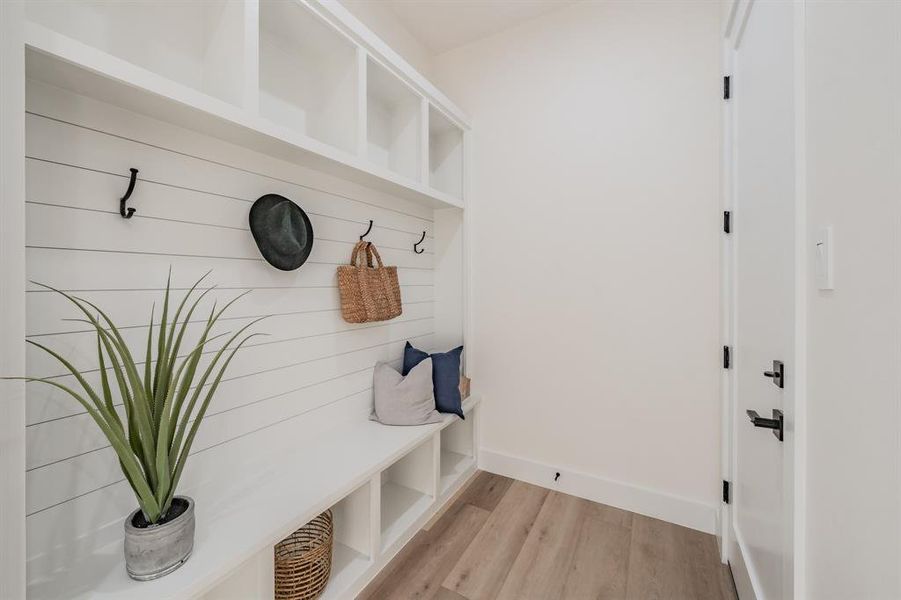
x=12, y=300
x=735, y=21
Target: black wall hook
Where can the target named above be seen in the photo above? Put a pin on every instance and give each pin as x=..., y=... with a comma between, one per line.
x=367, y=231
x=131, y=187
x=416, y=245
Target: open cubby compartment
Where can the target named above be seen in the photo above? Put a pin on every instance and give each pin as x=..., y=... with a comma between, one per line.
x=393, y=122
x=408, y=490
x=445, y=154
x=351, y=555
x=198, y=44
x=308, y=74
x=352, y=549
x=457, y=451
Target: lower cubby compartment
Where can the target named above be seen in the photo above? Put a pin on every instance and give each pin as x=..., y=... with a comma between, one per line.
x=351, y=556
x=352, y=548
x=407, y=492
x=453, y=467
x=457, y=455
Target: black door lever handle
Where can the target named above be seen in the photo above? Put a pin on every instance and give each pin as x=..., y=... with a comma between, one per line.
x=777, y=423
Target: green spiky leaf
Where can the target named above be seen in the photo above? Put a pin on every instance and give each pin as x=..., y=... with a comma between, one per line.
x=153, y=441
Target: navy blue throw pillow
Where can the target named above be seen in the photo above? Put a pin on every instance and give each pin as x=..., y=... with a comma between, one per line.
x=445, y=376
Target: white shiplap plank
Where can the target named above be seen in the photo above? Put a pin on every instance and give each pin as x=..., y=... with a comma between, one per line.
x=63, y=439
x=52, y=140
x=260, y=366
x=61, y=227
x=284, y=373
x=63, y=185
x=47, y=313
x=49, y=404
x=80, y=348
x=93, y=470
x=85, y=270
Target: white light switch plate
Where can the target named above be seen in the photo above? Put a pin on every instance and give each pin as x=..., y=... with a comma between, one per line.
x=824, y=259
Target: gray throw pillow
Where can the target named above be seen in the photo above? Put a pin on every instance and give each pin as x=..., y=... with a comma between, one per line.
x=400, y=400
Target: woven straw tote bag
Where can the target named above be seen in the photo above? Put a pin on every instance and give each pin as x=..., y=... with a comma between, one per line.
x=368, y=292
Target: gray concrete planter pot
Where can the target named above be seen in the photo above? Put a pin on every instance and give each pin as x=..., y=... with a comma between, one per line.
x=156, y=550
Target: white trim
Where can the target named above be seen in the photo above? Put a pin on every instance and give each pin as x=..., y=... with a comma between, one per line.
x=740, y=574
x=653, y=503
x=798, y=425
x=12, y=301
x=469, y=337
x=730, y=18
x=727, y=314
x=741, y=24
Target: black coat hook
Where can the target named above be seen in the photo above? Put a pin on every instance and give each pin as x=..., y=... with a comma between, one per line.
x=367, y=231
x=124, y=199
x=416, y=245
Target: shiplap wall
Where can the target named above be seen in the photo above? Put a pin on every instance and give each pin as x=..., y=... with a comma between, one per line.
x=192, y=199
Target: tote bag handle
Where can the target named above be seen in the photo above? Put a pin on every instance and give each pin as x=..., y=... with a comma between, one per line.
x=372, y=252
x=355, y=255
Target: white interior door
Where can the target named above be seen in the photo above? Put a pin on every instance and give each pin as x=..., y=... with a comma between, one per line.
x=764, y=230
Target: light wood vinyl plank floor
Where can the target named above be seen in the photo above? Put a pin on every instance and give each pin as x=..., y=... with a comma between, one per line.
x=509, y=540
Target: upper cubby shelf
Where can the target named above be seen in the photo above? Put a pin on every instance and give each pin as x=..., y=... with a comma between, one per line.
x=300, y=80
x=198, y=44
x=393, y=122
x=445, y=154
x=308, y=75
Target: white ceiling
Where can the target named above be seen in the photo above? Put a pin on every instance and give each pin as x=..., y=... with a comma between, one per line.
x=442, y=25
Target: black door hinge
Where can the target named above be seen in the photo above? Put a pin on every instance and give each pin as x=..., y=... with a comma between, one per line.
x=727, y=221
x=726, y=496
x=727, y=84
x=727, y=357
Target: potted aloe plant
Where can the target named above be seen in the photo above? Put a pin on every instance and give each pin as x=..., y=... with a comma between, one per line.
x=164, y=404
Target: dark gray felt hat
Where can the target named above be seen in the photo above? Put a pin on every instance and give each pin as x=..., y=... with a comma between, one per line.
x=282, y=231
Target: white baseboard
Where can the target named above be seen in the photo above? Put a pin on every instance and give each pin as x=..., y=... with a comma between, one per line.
x=652, y=503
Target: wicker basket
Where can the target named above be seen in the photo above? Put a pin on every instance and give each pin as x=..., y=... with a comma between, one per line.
x=303, y=560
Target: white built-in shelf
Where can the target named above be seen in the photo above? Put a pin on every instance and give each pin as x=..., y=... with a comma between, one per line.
x=401, y=507
x=308, y=75
x=305, y=82
x=453, y=466
x=198, y=44
x=445, y=154
x=289, y=78
x=393, y=122
x=238, y=519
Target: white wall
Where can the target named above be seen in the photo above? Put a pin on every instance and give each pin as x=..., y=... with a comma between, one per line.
x=595, y=239
x=384, y=23
x=854, y=386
